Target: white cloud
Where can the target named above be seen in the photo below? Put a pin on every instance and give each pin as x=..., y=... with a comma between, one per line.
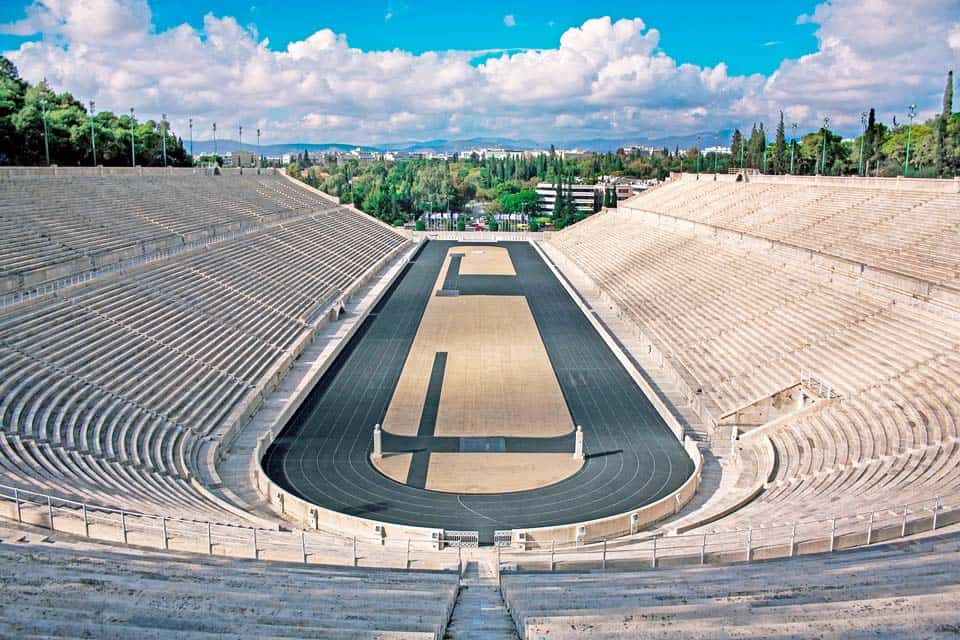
x=509, y=20
x=876, y=53
x=604, y=78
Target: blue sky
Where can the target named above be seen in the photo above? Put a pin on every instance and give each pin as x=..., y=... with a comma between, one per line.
x=373, y=72
x=750, y=37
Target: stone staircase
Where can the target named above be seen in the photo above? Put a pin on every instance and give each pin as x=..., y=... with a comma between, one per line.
x=480, y=613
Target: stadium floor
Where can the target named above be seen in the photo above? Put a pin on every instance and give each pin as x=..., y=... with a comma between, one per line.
x=322, y=455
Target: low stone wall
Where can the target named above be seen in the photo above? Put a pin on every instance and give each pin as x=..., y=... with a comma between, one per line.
x=99, y=170
x=899, y=183
x=619, y=525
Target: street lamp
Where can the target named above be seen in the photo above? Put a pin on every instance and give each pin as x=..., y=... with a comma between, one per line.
x=823, y=155
x=716, y=151
x=863, y=134
x=793, y=143
x=259, y=155
x=698, y=155
x=190, y=121
x=215, y=143
x=240, y=150
x=163, y=124
x=46, y=142
x=93, y=136
x=911, y=113
x=133, y=150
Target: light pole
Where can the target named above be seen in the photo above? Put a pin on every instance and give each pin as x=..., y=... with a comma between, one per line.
x=716, y=152
x=793, y=143
x=93, y=135
x=163, y=123
x=214, y=143
x=698, y=155
x=46, y=142
x=259, y=155
x=863, y=134
x=823, y=155
x=190, y=121
x=911, y=113
x=240, y=150
x=133, y=150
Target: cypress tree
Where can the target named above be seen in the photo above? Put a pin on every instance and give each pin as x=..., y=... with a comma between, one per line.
x=735, y=143
x=942, y=160
x=780, y=148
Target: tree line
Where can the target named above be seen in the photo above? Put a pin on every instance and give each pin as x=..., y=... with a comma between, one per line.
x=37, y=124
x=933, y=147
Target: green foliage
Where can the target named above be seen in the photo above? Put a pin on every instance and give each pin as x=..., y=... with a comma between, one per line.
x=25, y=107
x=779, y=162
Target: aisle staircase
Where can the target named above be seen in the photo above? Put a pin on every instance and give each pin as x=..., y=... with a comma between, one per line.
x=480, y=613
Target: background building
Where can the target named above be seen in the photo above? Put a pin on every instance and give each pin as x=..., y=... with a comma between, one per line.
x=584, y=196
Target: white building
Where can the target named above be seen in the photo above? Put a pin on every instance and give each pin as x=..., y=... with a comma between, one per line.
x=584, y=196
x=364, y=156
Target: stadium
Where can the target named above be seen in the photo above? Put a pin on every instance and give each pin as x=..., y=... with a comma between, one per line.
x=300, y=398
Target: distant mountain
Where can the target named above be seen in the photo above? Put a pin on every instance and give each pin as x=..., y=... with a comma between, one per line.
x=223, y=146
x=449, y=146
x=708, y=139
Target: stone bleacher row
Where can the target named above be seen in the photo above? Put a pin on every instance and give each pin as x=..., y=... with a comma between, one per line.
x=908, y=231
x=737, y=324
x=48, y=591
x=58, y=226
x=879, y=592
x=110, y=393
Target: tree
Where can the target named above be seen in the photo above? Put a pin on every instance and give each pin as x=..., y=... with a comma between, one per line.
x=943, y=155
x=780, y=149
x=736, y=144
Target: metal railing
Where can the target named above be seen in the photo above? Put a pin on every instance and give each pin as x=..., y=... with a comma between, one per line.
x=743, y=544
x=212, y=538
x=93, y=273
x=824, y=389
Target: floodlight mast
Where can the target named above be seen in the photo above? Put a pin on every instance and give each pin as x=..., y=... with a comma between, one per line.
x=93, y=135
x=46, y=142
x=911, y=113
x=133, y=149
x=823, y=155
x=163, y=125
x=863, y=134
x=793, y=143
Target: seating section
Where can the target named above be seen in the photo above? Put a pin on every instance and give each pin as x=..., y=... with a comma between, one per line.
x=52, y=592
x=909, y=231
x=58, y=226
x=888, y=591
x=738, y=323
x=113, y=392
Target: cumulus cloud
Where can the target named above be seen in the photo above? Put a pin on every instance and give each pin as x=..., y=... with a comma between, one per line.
x=876, y=53
x=604, y=77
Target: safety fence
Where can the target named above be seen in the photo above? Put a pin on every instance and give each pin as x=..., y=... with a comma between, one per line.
x=198, y=536
x=742, y=545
